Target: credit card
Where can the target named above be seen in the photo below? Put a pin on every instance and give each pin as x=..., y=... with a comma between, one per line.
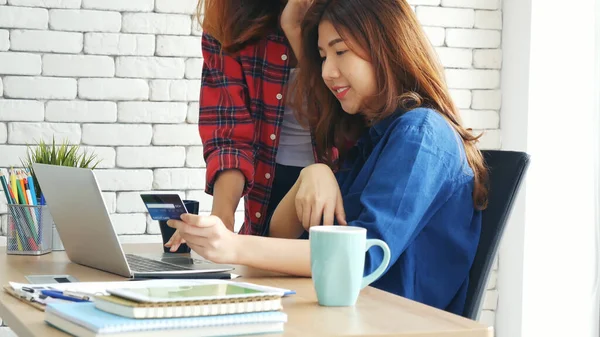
x=164, y=206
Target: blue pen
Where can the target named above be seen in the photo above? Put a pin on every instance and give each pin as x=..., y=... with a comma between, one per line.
x=60, y=295
x=32, y=189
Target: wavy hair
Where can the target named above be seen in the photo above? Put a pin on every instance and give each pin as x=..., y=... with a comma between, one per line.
x=408, y=73
x=237, y=23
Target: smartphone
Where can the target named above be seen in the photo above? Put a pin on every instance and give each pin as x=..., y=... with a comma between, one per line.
x=163, y=207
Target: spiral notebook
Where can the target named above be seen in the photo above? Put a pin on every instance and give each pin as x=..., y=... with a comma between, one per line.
x=129, y=308
x=84, y=320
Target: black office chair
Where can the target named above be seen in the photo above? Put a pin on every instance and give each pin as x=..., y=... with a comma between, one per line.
x=506, y=172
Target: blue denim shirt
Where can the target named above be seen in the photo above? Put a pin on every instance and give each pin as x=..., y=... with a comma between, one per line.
x=407, y=181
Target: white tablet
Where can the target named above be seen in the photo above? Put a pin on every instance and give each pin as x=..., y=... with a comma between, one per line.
x=199, y=292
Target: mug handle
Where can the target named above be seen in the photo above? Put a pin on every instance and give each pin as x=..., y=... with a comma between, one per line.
x=386, y=260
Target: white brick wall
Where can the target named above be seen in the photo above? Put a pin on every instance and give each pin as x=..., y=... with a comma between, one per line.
x=3, y=133
x=78, y=66
x=80, y=111
x=120, y=5
x=123, y=78
x=117, y=134
x=22, y=17
x=4, y=40
x=153, y=23
x=20, y=64
x=85, y=20
x=175, y=90
x=46, y=41
x=46, y=3
x=116, y=89
x=39, y=87
x=184, y=46
x=21, y=110
x=142, y=157
x=119, y=44
x=150, y=67
x=178, y=6
x=153, y=112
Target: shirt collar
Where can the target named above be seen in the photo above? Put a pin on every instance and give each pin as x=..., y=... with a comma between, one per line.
x=378, y=130
x=365, y=144
x=277, y=35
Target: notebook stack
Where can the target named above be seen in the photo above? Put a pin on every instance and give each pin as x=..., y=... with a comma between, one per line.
x=221, y=309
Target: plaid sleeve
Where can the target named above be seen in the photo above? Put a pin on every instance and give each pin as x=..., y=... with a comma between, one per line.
x=225, y=124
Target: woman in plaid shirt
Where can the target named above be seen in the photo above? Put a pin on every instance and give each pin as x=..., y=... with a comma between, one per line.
x=254, y=145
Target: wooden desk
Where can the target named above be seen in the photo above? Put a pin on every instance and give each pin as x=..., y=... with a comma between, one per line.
x=377, y=313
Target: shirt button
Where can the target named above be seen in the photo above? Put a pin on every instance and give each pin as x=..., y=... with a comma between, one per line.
x=268, y=175
x=273, y=136
x=258, y=215
x=279, y=96
x=284, y=57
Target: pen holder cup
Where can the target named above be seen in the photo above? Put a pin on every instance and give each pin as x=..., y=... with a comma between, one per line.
x=29, y=230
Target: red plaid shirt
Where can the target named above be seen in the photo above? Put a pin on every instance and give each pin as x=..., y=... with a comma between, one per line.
x=242, y=102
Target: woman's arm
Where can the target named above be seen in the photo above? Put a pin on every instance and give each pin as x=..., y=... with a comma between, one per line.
x=227, y=130
x=227, y=193
x=288, y=256
x=284, y=222
x=291, y=20
x=208, y=237
x=315, y=199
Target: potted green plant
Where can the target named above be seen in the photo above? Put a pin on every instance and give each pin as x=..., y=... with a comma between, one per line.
x=64, y=154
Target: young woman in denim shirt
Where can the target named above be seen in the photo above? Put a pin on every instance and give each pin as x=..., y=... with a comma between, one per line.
x=412, y=177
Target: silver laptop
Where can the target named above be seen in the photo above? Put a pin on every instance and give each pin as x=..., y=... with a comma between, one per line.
x=87, y=233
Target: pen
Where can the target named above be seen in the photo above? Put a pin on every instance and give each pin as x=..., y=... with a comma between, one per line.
x=21, y=184
x=30, y=297
x=76, y=295
x=13, y=184
x=29, y=290
x=7, y=191
x=61, y=295
x=32, y=188
x=12, y=194
x=11, y=199
x=25, y=294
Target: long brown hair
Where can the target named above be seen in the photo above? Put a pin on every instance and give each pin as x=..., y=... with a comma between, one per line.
x=408, y=73
x=236, y=23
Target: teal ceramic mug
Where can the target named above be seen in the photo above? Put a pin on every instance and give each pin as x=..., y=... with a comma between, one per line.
x=337, y=260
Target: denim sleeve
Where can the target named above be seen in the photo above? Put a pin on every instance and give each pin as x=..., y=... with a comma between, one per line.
x=408, y=183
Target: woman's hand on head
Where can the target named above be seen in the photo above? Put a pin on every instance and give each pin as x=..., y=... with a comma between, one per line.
x=207, y=236
x=293, y=14
x=319, y=199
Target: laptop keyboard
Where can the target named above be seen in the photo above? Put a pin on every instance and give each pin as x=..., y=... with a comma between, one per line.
x=145, y=265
